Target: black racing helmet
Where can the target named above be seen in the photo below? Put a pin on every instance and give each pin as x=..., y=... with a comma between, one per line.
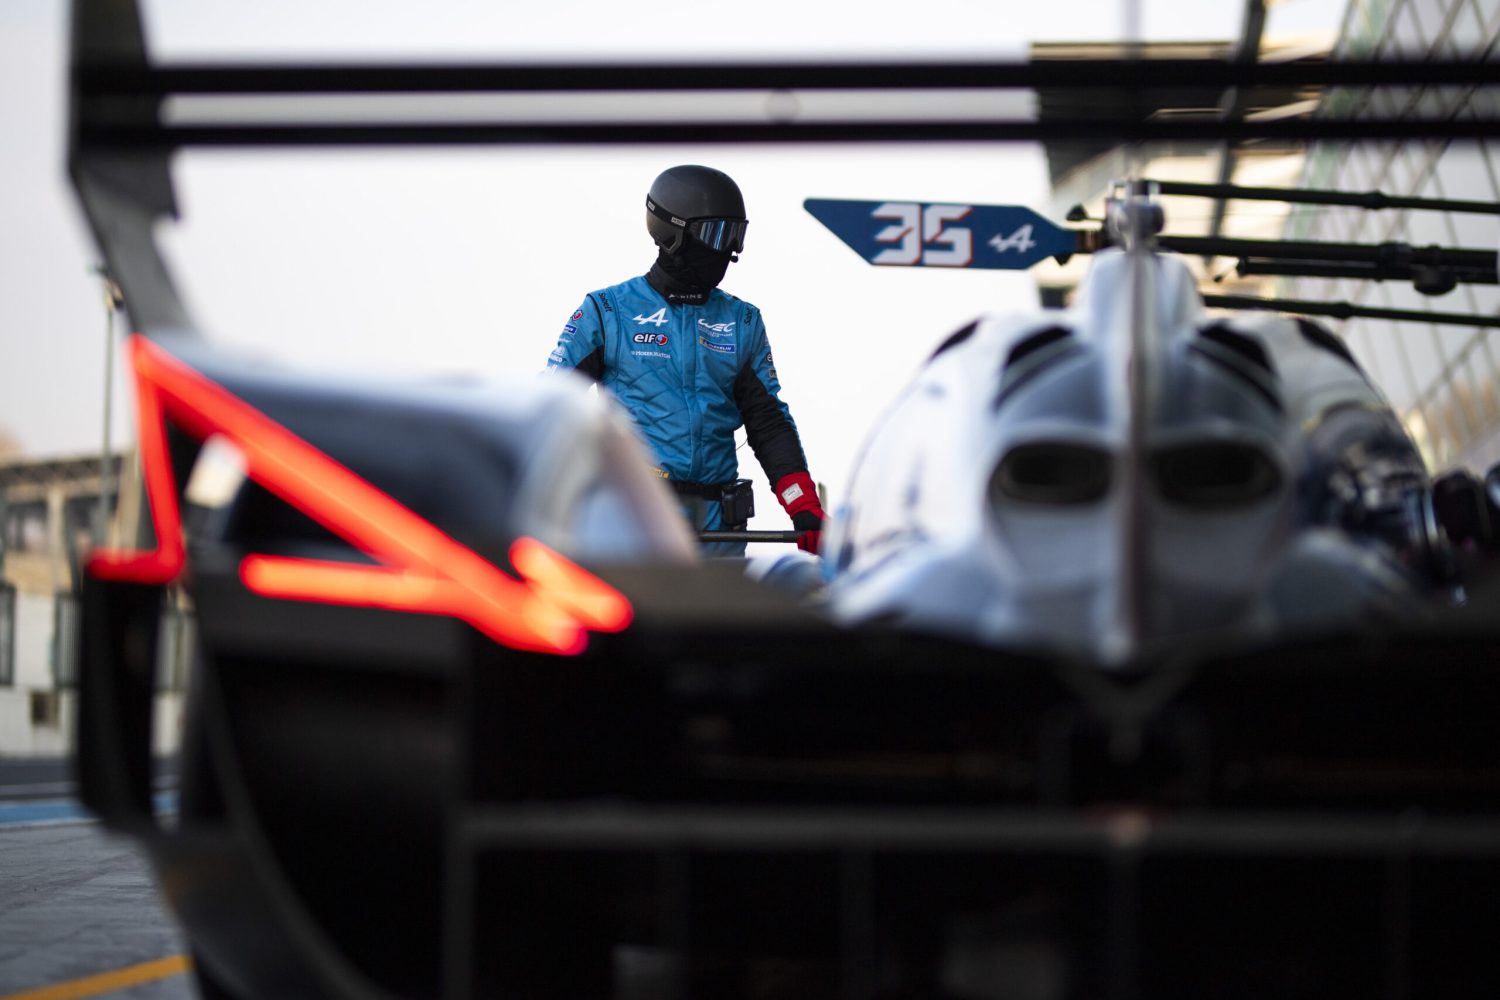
x=698, y=202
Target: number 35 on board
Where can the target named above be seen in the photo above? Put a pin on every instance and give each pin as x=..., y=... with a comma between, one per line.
x=922, y=234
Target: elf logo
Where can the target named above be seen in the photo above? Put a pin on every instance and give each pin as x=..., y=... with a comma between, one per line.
x=658, y=318
x=650, y=338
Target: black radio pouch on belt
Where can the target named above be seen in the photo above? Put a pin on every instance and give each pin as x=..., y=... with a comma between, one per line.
x=737, y=504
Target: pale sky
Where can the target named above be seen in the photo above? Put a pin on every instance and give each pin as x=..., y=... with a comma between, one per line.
x=469, y=261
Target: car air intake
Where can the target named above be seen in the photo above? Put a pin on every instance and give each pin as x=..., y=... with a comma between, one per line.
x=1243, y=358
x=1215, y=474
x=1032, y=355
x=1052, y=473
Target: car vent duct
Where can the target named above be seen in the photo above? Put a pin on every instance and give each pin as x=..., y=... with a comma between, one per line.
x=1052, y=473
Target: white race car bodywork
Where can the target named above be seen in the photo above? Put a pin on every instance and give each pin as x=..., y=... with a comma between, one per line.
x=1077, y=482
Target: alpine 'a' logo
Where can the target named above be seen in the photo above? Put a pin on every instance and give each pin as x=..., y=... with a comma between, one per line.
x=659, y=317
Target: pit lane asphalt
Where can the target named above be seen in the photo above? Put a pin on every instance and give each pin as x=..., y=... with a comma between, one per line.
x=75, y=900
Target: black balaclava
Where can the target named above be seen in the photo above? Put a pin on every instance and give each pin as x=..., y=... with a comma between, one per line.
x=689, y=274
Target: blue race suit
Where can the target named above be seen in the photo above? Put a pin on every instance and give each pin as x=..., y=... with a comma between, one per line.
x=690, y=375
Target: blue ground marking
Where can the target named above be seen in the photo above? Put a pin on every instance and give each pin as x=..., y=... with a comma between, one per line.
x=51, y=811
x=66, y=810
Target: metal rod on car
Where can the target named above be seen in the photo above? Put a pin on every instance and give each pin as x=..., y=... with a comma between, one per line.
x=1347, y=310
x=1389, y=254
x=113, y=300
x=748, y=536
x=1357, y=199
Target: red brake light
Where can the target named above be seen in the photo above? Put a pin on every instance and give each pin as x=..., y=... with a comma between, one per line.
x=422, y=569
x=570, y=587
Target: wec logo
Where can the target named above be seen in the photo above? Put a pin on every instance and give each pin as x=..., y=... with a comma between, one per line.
x=720, y=329
x=650, y=338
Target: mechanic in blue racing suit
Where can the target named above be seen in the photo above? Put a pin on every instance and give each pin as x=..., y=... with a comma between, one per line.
x=691, y=362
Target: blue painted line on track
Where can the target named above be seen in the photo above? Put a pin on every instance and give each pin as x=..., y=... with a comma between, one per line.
x=42, y=812
x=66, y=810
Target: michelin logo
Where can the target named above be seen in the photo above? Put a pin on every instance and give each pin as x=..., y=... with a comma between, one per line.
x=720, y=348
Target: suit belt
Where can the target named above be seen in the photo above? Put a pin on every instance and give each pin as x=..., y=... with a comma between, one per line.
x=708, y=491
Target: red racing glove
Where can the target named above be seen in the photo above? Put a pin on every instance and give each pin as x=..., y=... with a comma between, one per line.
x=800, y=498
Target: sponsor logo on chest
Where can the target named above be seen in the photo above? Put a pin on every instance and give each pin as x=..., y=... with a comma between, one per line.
x=715, y=329
x=716, y=347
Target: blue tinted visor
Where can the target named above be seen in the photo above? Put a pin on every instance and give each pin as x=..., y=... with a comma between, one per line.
x=724, y=235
